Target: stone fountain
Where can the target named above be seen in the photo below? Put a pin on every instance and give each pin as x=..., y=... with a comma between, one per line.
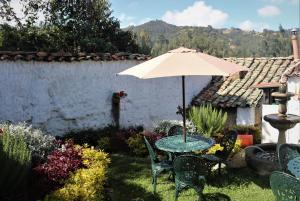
x=263, y=158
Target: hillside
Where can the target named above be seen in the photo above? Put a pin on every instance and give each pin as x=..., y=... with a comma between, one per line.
x=157, y=37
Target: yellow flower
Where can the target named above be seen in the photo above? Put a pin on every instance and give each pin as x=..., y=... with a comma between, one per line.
x=85, y=184
x=215, y=148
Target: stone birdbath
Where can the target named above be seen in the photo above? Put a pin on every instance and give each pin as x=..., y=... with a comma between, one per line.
x=281, y=120
x=263, y=158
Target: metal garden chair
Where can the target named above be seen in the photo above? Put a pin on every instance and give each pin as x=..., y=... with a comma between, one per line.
x=287, y=152
x=227, y=142
x=285, y=187
x=157, y=166
x=190, y=171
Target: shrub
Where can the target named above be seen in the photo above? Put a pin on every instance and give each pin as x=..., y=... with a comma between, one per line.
x=104, y=143
x=137, y=145
x=60, y=164
x=15, y=162
x=207, y=120
x=40, y=145
x=248, y=129
x=91, y=137
x=165, y=125
x=86, y=184
x=109, y=138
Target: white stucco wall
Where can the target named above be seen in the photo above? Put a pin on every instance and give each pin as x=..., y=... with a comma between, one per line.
x=59, y=96
x=245, y=116
x=293, y=135
x=269, y=134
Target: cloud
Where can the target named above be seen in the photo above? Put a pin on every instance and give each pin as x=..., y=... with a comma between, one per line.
x=293, y=2
x=268, y=11
x=198, y=14
x=250, y=26
x=126, y=20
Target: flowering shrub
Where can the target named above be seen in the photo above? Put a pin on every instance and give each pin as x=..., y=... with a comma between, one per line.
x=15, y=161
x=85, y=184
x=237, y=146
x=40, y=145
x=137, y=145
x=60, y=164
x=215, y=148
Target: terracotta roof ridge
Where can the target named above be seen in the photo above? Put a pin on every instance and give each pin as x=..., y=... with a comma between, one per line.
x=293, y=70
x=69, y=57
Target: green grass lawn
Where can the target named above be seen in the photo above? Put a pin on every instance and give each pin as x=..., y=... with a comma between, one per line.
x=129, y=178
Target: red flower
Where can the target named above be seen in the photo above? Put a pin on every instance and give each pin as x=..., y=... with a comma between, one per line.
x=121, y=94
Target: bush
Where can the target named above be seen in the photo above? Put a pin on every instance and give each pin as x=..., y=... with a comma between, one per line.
x=164, y=126
x=137, y=145
x=85, y=184
x=91, y=137
x=15, y=163
x=207, y=120
x=248, y=129
x=40, y=145
x=60, y=164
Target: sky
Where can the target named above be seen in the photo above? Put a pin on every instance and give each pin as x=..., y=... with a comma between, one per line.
x=245, y=14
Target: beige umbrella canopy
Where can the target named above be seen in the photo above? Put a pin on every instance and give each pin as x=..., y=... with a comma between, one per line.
x=183, y=62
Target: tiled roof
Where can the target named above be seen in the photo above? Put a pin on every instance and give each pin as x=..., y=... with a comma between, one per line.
x=293, y=70
x=65, y=56
x=229, y=92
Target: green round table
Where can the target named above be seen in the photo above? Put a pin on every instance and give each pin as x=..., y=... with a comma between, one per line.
x=175, y=144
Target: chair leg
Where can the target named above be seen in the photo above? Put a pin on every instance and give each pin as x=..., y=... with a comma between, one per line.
x=219, y=168
x=176, y=193
x=154, y=183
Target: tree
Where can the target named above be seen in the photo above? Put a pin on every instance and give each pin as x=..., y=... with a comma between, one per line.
x=72, y=25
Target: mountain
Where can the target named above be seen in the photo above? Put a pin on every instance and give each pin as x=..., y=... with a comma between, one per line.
x=157, y=37
x=156, y=28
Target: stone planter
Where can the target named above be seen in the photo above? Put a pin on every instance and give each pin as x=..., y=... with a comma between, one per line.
x=237, y=160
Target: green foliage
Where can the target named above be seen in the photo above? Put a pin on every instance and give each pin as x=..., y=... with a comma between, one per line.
x=165, y=125
x=104, y=143
x=15, y=160
x=207, y=120
x=231, y=42
x=137, y=145
x=39, y=144
x=249, y=129
x=72, y=26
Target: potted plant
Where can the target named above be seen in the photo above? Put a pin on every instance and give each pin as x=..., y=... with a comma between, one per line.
x=248, y=135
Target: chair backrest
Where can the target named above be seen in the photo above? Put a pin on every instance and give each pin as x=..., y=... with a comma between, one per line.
x=287, y=152
x=151, y=151
x=285, y=187
x=188, y=168
x=228, y=142
x=175, y=130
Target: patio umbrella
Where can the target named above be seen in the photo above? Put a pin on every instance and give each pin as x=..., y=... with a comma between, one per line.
x=183, y=62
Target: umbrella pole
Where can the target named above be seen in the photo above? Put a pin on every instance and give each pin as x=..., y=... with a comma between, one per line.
x=183, y=107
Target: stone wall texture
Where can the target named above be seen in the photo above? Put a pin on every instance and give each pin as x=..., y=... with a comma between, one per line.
x=60, y=97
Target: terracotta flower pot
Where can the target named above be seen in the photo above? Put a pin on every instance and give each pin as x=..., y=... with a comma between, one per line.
x=246, y=140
